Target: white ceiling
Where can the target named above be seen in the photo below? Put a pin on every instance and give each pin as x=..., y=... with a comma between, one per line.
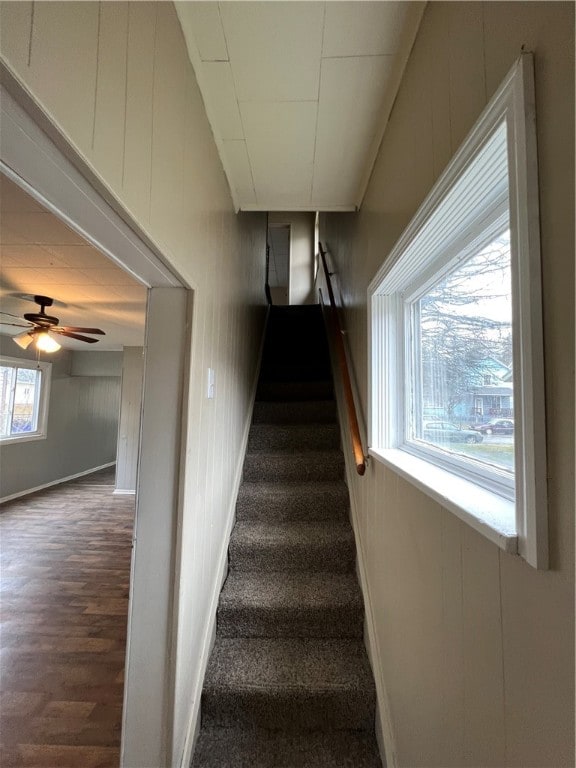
x=298, y=93
x=39, y=254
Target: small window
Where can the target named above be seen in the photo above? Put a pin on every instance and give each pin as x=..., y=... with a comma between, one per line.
x=24, y=391
x=456, y=394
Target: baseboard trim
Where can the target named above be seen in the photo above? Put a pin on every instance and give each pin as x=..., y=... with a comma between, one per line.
x=122, y=492
x=221, y=573
x=55, y=482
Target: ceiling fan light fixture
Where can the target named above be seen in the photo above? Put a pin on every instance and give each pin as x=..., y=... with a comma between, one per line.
x=23, y=340
x=46, y=343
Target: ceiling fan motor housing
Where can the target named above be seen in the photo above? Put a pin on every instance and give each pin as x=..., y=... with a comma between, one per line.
x=41, y=318
x=41, y=324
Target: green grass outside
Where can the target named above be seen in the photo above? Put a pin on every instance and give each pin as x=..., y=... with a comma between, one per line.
x=502, y=455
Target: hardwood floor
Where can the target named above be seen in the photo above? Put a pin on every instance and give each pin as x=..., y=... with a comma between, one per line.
x=64, y=584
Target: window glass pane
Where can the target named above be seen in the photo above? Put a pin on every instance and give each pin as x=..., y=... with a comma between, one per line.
x=462, y=388
x=7, y=374
x=25, y=411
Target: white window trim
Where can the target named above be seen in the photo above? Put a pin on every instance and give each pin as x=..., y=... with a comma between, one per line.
x=516, y=525
x=43, y=399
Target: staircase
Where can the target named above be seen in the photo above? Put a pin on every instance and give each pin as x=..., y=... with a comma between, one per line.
x=288, y=684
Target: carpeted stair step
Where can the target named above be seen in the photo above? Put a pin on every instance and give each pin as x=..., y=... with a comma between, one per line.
x=289, y=684
x=295, y=412
x=295, y=332
x=306, y=546
x=293, y=437
x=259, y=748
x=276, y=502
x=300, y=467
x=287, y=370
x=287, y=604
x=295, y=390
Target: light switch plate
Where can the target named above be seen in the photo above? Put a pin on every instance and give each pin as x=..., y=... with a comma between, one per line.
x=211, y=383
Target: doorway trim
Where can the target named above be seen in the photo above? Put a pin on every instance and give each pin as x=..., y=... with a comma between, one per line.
x=55, y=175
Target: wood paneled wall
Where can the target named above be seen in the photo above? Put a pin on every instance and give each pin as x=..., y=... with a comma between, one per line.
x=129, y=424
x=476, y=648
x=116, y=80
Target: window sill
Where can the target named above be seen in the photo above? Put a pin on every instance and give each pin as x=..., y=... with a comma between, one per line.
x=488, y=513
x=22, y=438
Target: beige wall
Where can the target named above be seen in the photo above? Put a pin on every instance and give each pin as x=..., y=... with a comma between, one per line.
x=129, y=420
x=116, y=80
x=476, y=647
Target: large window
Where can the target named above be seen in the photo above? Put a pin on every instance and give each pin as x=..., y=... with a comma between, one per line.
x=456, y=350
x=24, y=391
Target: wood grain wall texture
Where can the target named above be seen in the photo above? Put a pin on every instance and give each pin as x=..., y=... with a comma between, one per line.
x=116, y=79
x=82, y=428
x=129, y=423
x=476, y=647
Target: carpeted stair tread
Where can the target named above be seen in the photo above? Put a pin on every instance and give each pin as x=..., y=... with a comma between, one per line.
x=288, y=683
x=290, y=604
x=273, y=501
x=283, y=466
x=314, y=684
x=259, y=748
x=290, y=546
x=295, y=412
x=287, y=371
x=293, y=437
x=295, y=390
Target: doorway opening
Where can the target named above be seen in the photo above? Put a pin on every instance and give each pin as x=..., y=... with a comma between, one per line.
x=33, y=161
x=279, y=242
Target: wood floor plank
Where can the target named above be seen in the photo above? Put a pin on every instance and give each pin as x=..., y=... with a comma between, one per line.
x=64, y=584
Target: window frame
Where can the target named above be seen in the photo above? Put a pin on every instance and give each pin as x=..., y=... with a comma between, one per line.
x=42, y=399
x=516, y=522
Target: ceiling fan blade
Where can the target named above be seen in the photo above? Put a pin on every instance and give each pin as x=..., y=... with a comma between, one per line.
x=74, y=336
x=10, y=314
x=74, y=329
x=17, y=325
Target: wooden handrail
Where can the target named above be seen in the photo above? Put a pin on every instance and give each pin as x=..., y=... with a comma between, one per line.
x=346, y=383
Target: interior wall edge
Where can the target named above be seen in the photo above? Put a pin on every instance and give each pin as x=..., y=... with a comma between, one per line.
x=220, y=573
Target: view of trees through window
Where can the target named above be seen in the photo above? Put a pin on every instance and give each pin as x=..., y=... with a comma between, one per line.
x=462, y=350
x=19, y=389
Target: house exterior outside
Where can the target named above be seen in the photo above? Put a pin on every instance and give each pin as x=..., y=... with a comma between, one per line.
x=491, y=393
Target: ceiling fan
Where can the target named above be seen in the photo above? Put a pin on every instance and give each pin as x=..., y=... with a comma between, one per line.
x=40, y=328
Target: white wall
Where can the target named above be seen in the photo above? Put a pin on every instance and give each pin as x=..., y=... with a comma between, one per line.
x=129, y=425
x=82, y=427
x=301, y=284
x=116, y=81
x=96, y=363
x=475, y=647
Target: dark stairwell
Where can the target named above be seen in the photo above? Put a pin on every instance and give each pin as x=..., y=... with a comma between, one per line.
x=288, y=684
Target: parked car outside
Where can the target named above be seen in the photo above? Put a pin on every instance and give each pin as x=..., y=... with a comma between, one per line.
x=446, y=432
x=496, y=427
